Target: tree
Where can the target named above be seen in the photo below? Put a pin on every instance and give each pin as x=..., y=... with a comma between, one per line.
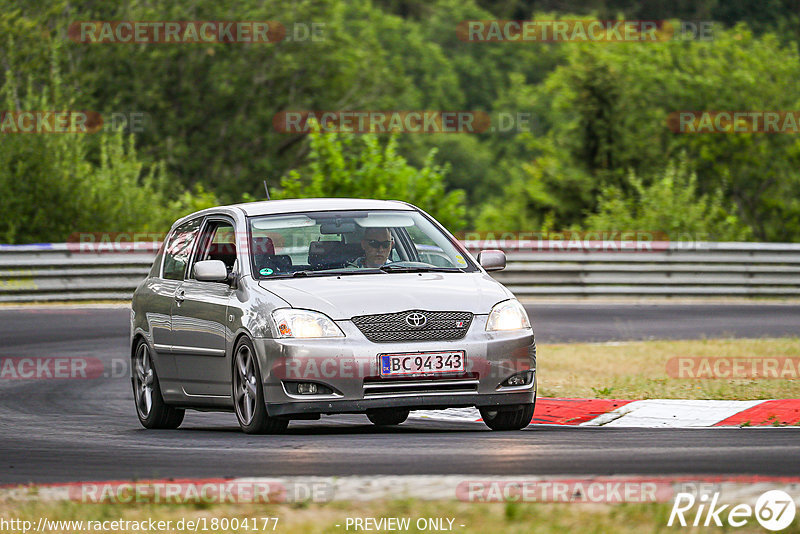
x=56, y=184
x=359, y=166
x=604, y=113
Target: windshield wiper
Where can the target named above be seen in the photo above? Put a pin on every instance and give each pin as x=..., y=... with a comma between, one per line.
x=383, y=269
x=335, y=272
x=418, y=269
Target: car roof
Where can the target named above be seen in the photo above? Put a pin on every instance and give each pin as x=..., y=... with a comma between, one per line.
x=299, y=205
x=270, y=207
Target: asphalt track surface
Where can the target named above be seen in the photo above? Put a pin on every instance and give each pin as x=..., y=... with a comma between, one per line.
x=72, y=430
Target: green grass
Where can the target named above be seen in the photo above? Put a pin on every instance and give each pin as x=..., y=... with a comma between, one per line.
x=637, y=370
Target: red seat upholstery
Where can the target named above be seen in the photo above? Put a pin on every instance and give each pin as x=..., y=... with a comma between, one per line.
x=263, y=245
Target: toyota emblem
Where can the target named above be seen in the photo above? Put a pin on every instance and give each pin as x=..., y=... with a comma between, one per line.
x=416, y=320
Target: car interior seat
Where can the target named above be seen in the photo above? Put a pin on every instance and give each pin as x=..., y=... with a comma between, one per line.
x=332, y=254
x=263, y=250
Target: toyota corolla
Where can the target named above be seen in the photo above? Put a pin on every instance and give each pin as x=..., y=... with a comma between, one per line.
x=292, y=309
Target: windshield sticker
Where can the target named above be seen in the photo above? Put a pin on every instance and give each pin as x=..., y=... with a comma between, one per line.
x=460, y=259
x=266, y=271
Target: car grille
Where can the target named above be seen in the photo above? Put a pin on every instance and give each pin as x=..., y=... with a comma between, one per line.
x=391, y=327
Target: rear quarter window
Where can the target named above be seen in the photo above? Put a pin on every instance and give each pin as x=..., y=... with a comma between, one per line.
x=179, y=249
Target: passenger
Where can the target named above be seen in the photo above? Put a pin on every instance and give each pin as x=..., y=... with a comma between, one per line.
x=377, y=244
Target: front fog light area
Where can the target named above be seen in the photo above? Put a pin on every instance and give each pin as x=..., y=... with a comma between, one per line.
x=520, y=379
x=307, y=388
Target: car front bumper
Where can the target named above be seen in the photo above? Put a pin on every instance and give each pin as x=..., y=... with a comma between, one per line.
x=349, y=367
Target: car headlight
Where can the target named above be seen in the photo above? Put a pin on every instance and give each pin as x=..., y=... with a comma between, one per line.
x=507, y=315
x=293, y=323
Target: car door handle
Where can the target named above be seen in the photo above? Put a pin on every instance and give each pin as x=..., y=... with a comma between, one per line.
x=180, y=296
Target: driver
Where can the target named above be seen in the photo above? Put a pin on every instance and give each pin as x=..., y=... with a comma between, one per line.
x=377, y=244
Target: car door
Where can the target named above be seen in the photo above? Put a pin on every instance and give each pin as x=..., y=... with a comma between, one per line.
x=199, y=316
x=163, y=290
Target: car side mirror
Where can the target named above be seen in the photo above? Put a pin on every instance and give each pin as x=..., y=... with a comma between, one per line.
x=492, y=260
x=211, y=271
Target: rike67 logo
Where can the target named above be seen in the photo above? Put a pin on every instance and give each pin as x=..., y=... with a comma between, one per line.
x=774, y=510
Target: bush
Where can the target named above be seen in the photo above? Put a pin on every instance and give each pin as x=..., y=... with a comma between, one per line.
x=670, y=205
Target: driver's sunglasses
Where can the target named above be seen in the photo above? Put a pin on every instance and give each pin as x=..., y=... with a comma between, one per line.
x=374, y=243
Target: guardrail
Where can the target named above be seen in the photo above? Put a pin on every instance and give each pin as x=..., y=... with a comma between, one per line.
x=57, y=272
x=640, y=268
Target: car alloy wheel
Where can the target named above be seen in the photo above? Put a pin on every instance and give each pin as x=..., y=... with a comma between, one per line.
x=245, y=388
x=151, y=409
x=143, y=381
x=248, y=393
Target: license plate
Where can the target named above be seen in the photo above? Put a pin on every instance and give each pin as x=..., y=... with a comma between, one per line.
x=422, y=363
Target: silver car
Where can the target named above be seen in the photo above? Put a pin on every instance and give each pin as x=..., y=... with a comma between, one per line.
x=291, y=309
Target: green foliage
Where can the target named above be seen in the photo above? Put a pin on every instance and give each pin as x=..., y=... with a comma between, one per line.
x=606, y=114
x=54, y=185
x=212, y=105
x=597, y=152
x=671, y=205
x=190, y=201
x=360, y=166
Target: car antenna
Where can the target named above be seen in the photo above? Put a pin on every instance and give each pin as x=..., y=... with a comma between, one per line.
x=266, y=189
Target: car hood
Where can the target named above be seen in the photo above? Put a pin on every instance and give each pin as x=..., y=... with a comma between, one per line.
x=353, y=295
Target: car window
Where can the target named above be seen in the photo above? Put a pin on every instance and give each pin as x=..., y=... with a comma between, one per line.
x=218, y=243
x=179, y=249
x=433, y=255
x=336, y=241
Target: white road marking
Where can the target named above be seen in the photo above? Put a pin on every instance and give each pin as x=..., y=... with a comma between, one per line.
x=671, y=413
x=450, y=414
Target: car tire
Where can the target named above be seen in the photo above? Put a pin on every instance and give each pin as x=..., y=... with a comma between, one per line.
x=248, y=393
x=387, y=416
x=505, y=419
x=151, y=409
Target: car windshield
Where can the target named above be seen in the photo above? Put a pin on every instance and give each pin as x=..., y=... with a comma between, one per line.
x=351, y=242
